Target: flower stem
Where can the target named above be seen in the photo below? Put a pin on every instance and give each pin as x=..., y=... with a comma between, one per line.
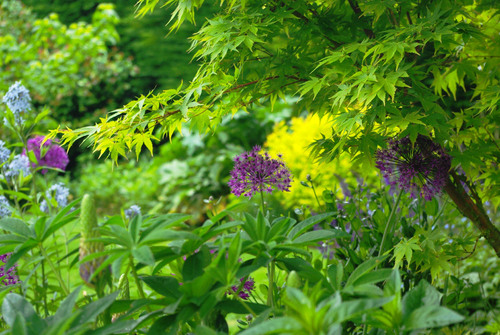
x=270, y=273
x=53, y=268
x=316, y=196
x=136, y=278
x=263, y=208
x=389, y=223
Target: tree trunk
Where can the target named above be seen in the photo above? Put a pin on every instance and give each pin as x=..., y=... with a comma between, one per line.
x=474, y=211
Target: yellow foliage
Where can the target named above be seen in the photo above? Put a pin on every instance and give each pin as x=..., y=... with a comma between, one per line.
x=292, y=141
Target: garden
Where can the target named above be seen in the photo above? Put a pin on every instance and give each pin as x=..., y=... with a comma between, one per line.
x=249, y=167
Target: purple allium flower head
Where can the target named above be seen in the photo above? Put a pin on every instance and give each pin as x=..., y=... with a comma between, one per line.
x=253, y=173
x=17, y=165
x=50, y=155
x=8, y=277
x=4, y=207
x=134, y=210
x=4, y=153
x=18, y=100
x=421, y=168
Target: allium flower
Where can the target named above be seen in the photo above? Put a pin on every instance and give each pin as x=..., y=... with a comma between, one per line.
x=4, y=207
x=50, y=155
x=253, y=173
x=134, y=210
x=8, y=277
x=4, y=153
x=18, y=164
x=59, y=192
x=421, y=169
x=247, y=288
x=18, y=100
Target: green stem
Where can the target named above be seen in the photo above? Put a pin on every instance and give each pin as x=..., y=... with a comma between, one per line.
x=243, y=302
x=44, y=285
x=263, y=208
x=136, y=278
x=316, y=196
x=270, y=273
x=53, y=268
x=389, y=223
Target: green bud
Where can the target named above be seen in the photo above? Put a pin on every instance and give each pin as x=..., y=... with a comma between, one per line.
x=293, y=280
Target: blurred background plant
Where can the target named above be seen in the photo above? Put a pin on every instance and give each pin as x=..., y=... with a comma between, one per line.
x=75, y=68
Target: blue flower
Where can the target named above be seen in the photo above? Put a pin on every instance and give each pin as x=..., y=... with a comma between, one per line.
x=18, y=164
x=59, y=192
x=18, y=100
x=134, y=210
x=4, y=207
x=4, y=153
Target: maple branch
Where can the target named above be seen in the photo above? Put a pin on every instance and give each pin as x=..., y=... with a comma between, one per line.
x=357, y=11
x=474, y=211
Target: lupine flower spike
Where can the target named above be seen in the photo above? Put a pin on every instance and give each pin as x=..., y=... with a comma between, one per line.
x=246, y=289
x=90, y=230
x=254, y=172
x=7, y=277
x=420, y=168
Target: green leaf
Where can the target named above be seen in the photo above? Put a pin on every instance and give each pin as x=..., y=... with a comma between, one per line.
x=144, y=255
x=319, y=235
x=303, y=268
x=90, y=312
x=14, y=305
x=279, y=325
x=19, y=326
x=193, y=266
x=66, y=308
x=431, y=317
x=166, y=286
x=363, y=268
x=16, y=226
x=335, y=274
x=308, y=224
x=350, y=309
x=373, y=277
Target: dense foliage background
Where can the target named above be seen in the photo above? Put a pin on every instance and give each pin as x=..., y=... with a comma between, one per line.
x=140, y=230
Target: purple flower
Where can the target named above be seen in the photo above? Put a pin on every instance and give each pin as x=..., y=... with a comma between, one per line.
x=421, y=168
x=8, y=277
x=255, y=173
x=50, y=154
x=246, y=289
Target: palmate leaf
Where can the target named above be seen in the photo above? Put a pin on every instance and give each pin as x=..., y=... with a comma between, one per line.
x=404, y=249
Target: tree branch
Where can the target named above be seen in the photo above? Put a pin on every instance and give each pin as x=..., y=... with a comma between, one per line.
x=355, y=7
x=473, y=211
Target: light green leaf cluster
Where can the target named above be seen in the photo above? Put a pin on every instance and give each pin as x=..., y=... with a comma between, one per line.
x=379, y=68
